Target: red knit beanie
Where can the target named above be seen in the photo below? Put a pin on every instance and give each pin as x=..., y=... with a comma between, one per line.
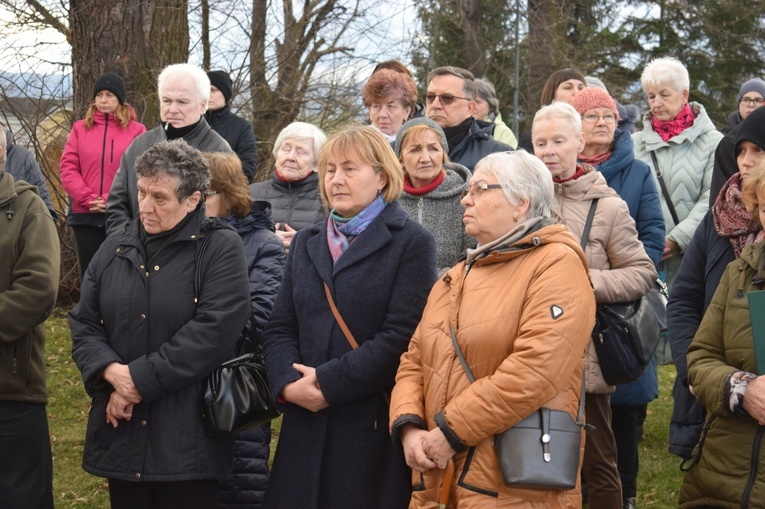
x=590, y=98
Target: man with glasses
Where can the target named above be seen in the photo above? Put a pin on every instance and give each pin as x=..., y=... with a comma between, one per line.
x=450, y=102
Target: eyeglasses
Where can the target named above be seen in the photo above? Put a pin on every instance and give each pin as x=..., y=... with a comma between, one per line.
x=751, y=102
x=591, y=118
x=211, y=193
x=446, y=99
x=477, y=189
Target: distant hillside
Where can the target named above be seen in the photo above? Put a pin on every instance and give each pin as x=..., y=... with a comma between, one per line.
x=37, y=86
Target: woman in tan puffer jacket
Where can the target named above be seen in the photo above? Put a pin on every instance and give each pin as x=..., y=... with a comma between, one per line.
x=619, y=270
x=522, y=310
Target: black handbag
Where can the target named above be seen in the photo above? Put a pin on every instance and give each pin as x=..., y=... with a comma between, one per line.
x=627, y=334
x=236, y=396
x=542, y=451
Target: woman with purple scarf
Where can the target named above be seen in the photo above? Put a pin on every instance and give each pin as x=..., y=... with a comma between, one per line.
x=353, y=291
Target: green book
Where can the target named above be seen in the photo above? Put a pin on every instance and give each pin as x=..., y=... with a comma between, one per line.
x=757, y=317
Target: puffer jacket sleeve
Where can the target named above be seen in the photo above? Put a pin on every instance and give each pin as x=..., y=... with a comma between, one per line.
x=546, y=353
x=650, y=219
x=631, y=272
x=265, y=263
x=246, y=149
x=407, y=402
x=708, y=369
x=71, y=171
x=209, y=338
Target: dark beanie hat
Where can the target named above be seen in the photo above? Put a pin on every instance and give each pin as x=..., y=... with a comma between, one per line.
x=419, y=121
x=753, y=85
x=113, y=83
x=221, y=81
x=752, y=128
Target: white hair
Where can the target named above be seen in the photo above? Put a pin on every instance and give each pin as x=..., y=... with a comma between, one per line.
x=563, y=111
x=523, y=177
x=301, y=130
x=190, y=72
x=667, y=71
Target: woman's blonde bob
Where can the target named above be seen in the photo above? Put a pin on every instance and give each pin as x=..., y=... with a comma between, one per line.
x=367, y=145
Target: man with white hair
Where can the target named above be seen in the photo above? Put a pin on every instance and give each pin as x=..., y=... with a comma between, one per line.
x=29, y=272
x=184, y=93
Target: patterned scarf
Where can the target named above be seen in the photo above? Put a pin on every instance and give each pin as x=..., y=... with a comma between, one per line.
x=731, y=218
x=671, y=128
x=417, y=191
x=342, y=232
x=596, y=160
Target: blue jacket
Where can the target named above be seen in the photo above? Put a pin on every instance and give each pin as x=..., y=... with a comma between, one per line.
x=343, y=456
x=633, y=182
x=700, y=272
x=477, y=144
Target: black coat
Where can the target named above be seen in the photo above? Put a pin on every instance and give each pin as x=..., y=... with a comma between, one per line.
x=725, y=163
x=146, y=317
x=297, y=204
x=704, y=263
x=477, y=144
x=343, y=456
x=239, y=135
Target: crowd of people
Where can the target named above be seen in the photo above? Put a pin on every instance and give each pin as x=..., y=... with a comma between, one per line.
x=418, y=284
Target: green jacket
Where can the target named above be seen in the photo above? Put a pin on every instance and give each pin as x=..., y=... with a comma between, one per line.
x=731, y=458
x=29, y=270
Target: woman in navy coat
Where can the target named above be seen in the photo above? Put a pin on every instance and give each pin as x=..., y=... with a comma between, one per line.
x=378, y=266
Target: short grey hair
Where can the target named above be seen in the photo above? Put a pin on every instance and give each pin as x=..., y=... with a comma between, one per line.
x=302, y=130
x=177, y=159
x=4, y=147
x=190, y=72
x=489, y=94
x=469, y=87
x=522, y=177
x=561, y=110
x=667, y=71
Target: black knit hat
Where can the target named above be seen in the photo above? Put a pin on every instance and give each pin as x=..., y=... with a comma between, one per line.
x=113, y=83
x=221, y=81
x=752, y=128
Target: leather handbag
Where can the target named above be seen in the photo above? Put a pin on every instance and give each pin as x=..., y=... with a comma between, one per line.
x=627, y=334
x=236, y=396
x=542, y=451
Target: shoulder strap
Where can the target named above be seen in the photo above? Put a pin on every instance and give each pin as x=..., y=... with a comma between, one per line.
x=339, y=318
x=664, y=190
x=471, y=377
x=588, y=223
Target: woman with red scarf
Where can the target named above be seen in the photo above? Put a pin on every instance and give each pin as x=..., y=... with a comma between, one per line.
x=678, y=142
x=433, y=187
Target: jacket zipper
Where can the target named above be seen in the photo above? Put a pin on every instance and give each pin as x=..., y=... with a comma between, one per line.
x=103, y=154
x=14, y=362
x=753, y=468
x=420, y=206
x=111, y=153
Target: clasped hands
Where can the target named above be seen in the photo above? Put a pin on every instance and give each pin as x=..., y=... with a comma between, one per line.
x=425, y=450
x=305, y=391
x=125, y=395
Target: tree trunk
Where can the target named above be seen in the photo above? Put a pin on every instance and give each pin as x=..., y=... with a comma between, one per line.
x=472, y=27
x=135, y=39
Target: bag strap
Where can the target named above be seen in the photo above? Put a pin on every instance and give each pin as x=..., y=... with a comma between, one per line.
x=588, y=223
x=471, y=377
x=339, y=318
x=664, y=190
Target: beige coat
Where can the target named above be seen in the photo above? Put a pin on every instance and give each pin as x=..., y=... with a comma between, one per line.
x=522, y=353
x=620, y=269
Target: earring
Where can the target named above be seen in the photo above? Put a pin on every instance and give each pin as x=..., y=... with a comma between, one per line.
x=515, y=216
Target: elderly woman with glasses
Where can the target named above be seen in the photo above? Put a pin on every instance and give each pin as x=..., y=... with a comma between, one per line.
x=610, y=151
x=619, y=268
x=521, y=310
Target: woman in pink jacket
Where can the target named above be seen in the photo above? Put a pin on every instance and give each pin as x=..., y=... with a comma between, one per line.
x=91, y=158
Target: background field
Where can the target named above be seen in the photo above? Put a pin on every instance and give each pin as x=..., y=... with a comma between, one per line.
x=658, y=483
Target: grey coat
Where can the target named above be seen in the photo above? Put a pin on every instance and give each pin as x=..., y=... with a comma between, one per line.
x=122, y=205
x=441, y=213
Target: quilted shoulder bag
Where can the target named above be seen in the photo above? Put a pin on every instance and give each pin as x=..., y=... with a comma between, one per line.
x=235, y=396
x=542, y=451
x=626, y=334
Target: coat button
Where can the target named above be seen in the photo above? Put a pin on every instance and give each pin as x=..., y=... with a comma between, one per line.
x=156, y=267
x=142, y=266
x=143, y=423
x=143, y=316
x=137, y=475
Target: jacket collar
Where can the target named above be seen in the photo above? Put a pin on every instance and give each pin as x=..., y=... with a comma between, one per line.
x=701, y=125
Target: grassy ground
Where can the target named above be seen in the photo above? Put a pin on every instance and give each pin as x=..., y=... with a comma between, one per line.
x=658, y=483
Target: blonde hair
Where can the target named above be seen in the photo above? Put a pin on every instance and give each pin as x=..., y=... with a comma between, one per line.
x=754, y=185
x=229, y=181
x=370, y=147
x=124, y=114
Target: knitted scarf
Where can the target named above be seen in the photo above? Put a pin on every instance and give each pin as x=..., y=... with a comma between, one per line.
x=417, y=191
x=732, y=220
x=341, y=232
x=595, y=160
x=671, y=128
